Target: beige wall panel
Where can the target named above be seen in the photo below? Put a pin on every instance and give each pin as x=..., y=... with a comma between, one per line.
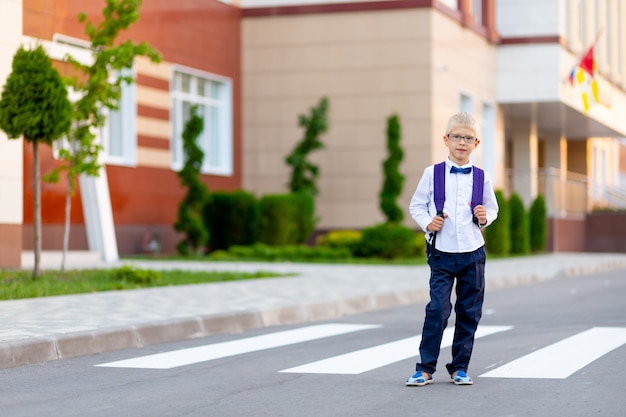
x=151, y=157
x=333, y=28
x=400, y=79
x=11, y=208
x=265, y=137
x=153, y=97
x=463, y=64
x=10, y=166
x=334, y=56
x=11, y=154
x=339, y=189
x=10, y=23
x=11, y=176
x=370, y=66
x=144, y=66
x=347, y=215
x=155, y=128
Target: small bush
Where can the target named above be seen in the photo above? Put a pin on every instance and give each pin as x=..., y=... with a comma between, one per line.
x=347, y=239
x=232, y=218
x=497, y=235
x=388, y=241
x=538, y=224
x=285, y=253
x=304, y=216
x=275, y=226
x=134, y=276
x=420, y=246
x=520, y=242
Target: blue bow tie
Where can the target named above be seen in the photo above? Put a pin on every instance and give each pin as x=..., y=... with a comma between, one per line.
x=456, y=170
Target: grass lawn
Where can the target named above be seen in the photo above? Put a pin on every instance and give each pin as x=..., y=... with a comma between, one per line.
x=20, y=284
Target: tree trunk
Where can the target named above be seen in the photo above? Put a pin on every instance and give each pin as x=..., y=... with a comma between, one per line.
x=37, y=212
x=66, y=229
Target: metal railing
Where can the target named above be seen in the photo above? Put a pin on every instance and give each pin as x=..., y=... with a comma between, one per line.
x=564, y=194
x=571, y=193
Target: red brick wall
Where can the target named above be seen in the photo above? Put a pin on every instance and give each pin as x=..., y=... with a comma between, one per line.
x=201, y=34
x=566, y=235
x=606, y=232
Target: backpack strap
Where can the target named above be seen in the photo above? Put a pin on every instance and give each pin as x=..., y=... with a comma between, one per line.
x=440, y=187
x=477, y=189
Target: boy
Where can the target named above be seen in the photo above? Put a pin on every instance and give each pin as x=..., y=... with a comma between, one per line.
x=455, y=250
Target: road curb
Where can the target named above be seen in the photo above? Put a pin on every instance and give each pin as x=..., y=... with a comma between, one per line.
x=63, y=346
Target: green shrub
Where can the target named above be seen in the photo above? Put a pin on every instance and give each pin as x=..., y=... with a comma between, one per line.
x=420, y=246
x=275, y=225
x=388, y=241
x=520, y=236
x=304, y=173
x=497, y=235
x=538, y=224
x=347, y=239
x=128, y=275
x=286, y=253
x=304, y=216
x=190, y=210
x=232, y=218
x=286, y=219
x=393, y=178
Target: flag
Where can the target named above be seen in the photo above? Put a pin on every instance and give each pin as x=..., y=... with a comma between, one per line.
x=583, y=78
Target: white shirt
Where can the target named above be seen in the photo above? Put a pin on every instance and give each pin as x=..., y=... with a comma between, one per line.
x=459, y=234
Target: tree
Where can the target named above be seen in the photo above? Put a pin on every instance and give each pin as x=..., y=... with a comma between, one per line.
x=35, y=105
x=304, y=174
x=190, y=220
x=393, y=179
x=99, y=85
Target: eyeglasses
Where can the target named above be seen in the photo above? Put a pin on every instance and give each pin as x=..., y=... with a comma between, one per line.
x=466, y=139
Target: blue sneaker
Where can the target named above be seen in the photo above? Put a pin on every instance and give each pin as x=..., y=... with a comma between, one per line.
x=419, y=379
x=461, y=378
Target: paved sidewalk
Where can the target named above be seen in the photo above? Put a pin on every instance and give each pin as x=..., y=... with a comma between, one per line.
x=49, y=328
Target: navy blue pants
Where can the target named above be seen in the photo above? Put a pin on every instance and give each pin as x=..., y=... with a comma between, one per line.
x=469, y=271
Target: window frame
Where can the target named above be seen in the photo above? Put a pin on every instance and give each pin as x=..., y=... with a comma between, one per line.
x=127, y=113
x=62, y=45
x=224, y=132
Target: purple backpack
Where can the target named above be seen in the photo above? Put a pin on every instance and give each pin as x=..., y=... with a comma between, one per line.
x=440, y=188
x=440, y=195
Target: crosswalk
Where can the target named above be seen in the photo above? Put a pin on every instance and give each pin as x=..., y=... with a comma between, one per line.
x=558, y=360
x=375, y=357
x=565, y=357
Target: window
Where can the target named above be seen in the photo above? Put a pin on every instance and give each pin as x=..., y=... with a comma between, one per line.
x=466, y=103
x=213, y=95
x=119, y=135
x=581, y=22
x=450, y=3
x=488, y=137
x=477, y=11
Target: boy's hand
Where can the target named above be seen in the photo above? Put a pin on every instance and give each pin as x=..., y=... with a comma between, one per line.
x=437, y=223
x=481, y=214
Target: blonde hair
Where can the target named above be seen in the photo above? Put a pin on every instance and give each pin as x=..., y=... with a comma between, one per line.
x=462, y=119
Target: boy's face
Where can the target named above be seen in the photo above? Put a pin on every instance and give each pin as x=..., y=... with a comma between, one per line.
x=461, y=142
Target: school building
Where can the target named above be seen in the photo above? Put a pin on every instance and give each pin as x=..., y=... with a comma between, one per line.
x=551, y=110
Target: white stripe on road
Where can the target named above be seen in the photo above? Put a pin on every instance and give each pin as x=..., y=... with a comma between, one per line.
x=375, y=357
x=563, y=358
x=198, y=354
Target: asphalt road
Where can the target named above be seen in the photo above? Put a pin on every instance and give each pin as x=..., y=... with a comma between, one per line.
x=569, y=334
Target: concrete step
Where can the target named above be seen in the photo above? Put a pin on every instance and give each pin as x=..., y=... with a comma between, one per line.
x=52, y=259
